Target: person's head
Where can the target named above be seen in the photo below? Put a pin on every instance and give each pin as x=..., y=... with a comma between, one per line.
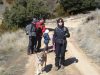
x=34, y=21
x=60, y=22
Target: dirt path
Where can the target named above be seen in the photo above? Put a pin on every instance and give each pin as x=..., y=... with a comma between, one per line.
x=30, y=66
x=84, y=66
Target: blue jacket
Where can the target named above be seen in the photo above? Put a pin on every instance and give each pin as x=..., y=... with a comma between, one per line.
x=46, y=38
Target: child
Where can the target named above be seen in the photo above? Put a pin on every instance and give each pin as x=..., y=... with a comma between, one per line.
x=46, y=39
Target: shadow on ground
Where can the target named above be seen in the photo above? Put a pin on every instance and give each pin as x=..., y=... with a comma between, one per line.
x=48, y=68
x=70, y=61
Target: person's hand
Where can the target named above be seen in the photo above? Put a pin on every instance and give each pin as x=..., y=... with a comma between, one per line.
x=54, y=47
x=26, y=33
x=66, y=35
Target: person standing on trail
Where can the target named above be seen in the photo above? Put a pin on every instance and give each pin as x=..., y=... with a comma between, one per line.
x=31, y=31
x=59, y=40
x=40, y=28
x=34, y=21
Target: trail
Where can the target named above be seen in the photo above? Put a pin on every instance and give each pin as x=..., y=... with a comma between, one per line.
x=77, y=63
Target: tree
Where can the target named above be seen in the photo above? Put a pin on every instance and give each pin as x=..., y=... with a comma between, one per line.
x=1, y=2
x=77, y=5
x=24, y=10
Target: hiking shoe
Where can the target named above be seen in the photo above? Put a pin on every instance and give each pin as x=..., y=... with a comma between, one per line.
x=56, y=68
x=28, y=53
x=35, y=49
x=62, y=66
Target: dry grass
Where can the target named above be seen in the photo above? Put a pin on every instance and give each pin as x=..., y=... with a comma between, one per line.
x=13, y=53
x=88, y=36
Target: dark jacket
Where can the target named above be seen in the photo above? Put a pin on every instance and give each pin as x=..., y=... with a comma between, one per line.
x=60, y=35
x=46, y=38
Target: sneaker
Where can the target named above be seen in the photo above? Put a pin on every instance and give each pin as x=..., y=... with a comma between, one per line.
x=62, y=66
x=56, y=68
x=35, y=49
x=38, y=50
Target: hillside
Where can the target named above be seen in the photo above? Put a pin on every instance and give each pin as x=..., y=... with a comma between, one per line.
x=88, y=35
x=13, y=53
x=84, y=42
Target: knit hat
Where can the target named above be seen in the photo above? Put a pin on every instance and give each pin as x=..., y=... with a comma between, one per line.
x=46, y=31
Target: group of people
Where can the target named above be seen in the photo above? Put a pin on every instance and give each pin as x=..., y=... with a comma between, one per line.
x=36, y=30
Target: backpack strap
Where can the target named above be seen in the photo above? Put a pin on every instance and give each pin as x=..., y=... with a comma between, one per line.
x=31, y=28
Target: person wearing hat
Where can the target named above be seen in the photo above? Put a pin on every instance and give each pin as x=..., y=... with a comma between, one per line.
x=46, y=39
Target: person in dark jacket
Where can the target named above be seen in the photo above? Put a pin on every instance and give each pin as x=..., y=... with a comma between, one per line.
x=46, y=39
x=31, y=32
x=59, y=40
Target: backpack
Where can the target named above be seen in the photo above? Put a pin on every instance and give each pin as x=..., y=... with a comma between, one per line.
x=33, y=30
x=39, y=30
x=46, y=36
x=30, y=30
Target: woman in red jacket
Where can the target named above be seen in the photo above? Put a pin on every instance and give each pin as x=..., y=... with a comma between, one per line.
x=40, y=27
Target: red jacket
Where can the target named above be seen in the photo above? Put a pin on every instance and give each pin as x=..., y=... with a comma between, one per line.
x=40, y=25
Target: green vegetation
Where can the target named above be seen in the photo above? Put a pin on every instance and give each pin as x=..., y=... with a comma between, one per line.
x=78, y=5
x=60, y=11
x=1, y=2
x=9, y=1
x=23, y=11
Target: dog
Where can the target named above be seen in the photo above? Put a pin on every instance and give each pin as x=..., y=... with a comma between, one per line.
x=41, y=60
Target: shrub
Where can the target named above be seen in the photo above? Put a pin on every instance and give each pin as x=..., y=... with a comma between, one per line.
x=24, y=10
x=1, y=2
x=78, y=5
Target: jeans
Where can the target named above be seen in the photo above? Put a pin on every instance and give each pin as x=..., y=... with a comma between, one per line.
x=38, y=43
x=31, y=45
x=60, y=54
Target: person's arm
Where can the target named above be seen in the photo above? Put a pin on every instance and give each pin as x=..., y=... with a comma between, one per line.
x=54, y=37
x=26, y=30
x=43, y=29
x=67, y=34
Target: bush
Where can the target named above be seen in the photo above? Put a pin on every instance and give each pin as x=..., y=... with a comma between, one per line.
x=1, y=2
x=9, y=1
x=78, y=5
x=60, y=11
x=23, y=11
